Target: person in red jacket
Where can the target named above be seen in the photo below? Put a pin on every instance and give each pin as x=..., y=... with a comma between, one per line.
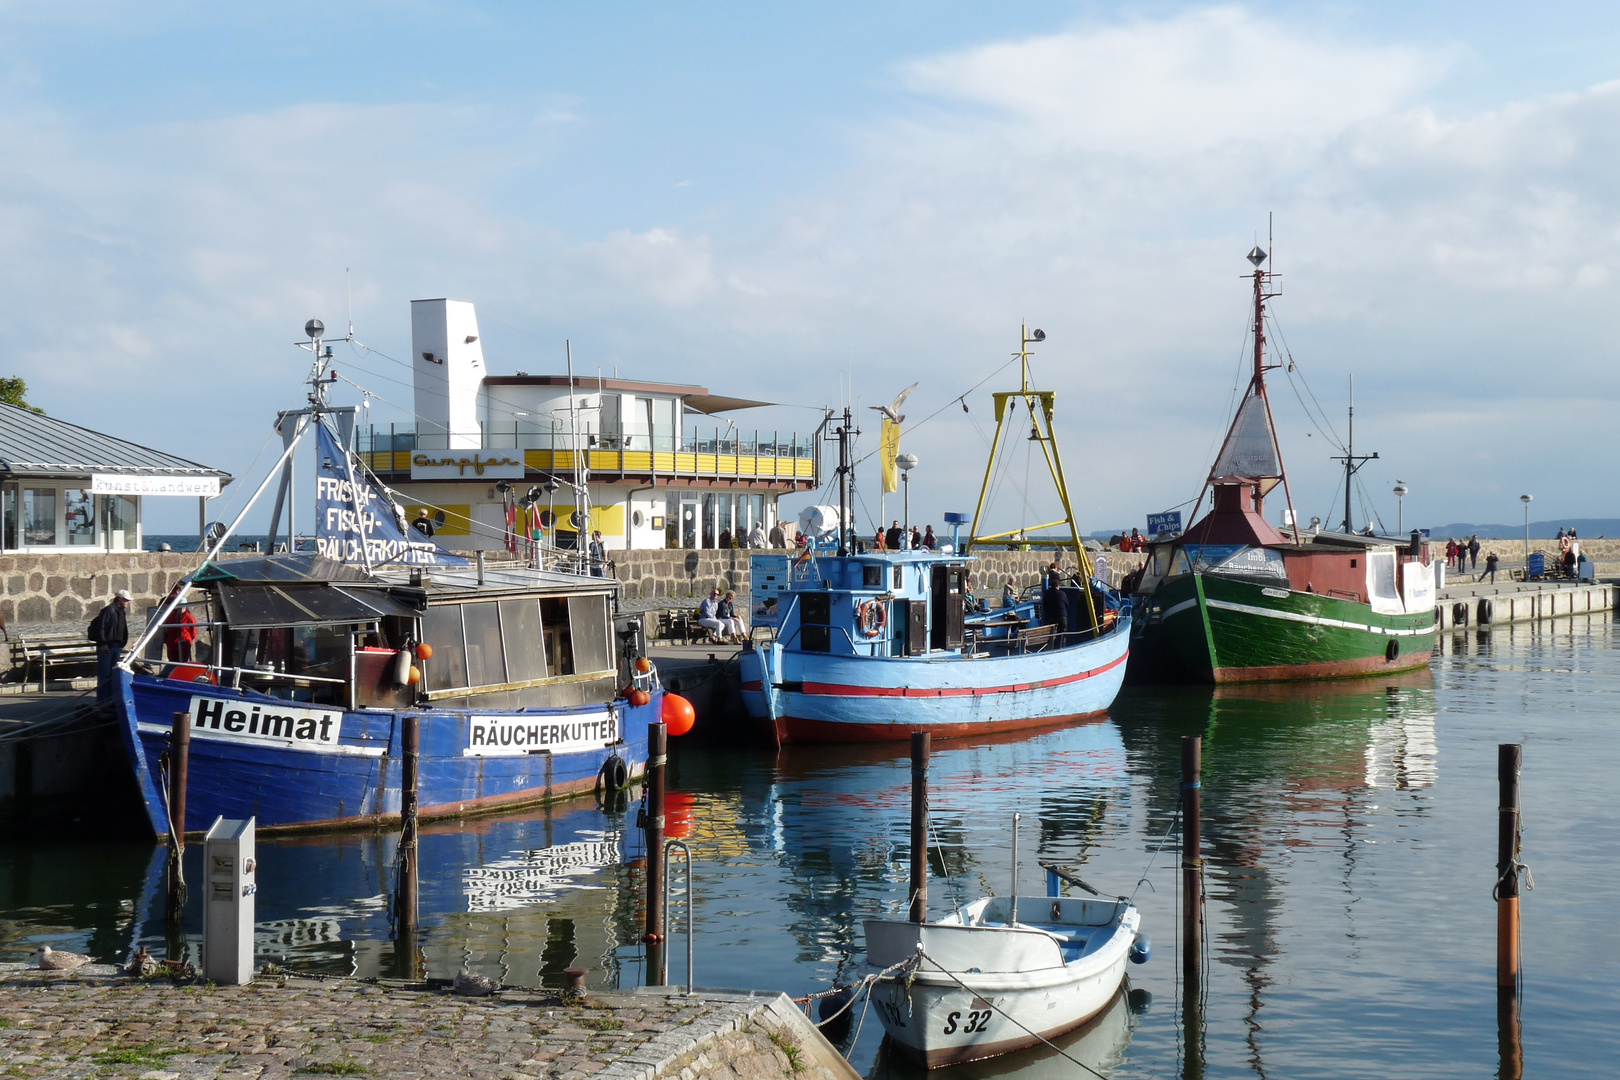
x=179, y=631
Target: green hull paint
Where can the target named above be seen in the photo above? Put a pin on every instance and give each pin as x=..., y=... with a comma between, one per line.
x=1209, y=628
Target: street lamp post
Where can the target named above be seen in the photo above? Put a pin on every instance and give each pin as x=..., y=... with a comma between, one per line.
x=907, y=462
x=1400, y=506
x=1526, y=500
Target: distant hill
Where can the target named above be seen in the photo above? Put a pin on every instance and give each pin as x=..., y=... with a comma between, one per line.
x=1589, y=528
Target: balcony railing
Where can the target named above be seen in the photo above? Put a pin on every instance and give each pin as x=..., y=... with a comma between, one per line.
x=716, y=452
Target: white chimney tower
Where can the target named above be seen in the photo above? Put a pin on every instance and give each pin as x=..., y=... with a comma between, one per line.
x=448, y=362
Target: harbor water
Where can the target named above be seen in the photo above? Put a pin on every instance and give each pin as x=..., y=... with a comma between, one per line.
x=1349, y=840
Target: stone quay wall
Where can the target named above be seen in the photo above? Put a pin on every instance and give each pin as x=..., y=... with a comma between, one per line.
x=100, y=1025
x=685, y=577
x=66, y=590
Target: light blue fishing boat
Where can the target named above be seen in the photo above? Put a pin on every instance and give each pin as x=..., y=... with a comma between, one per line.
x=867, y=646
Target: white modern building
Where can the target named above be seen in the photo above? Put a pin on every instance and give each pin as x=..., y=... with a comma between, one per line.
x=657, y=475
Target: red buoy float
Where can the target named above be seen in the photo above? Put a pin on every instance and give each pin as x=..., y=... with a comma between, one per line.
x=678, y=714
x=639, y=697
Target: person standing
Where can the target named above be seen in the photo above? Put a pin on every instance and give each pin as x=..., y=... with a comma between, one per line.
x=598, y=553
x=756, y=536
x=916, y=538
x=423, y=524
x=179, y=631
x=1052, y=597
x=1473, y=552
x=1490, y=566
x=929, y=540
x=110, y=631
x=892, y=538
x=778, y=536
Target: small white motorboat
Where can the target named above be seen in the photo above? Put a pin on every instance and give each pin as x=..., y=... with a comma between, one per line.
x=1002, y=973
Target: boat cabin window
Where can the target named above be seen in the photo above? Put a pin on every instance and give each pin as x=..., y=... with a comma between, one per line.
x=486, y=659
x=872, y=575
x=525, y=644
x=441, y=628
x=899, y=579
x=559, y=642
x=588, y=618
x=1179, y=564
x=320, y=651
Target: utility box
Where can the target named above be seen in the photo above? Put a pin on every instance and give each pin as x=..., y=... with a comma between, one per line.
x=230, y=868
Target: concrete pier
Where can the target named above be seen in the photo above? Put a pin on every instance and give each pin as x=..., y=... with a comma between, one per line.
x=1483, y=604
x=98, y=1024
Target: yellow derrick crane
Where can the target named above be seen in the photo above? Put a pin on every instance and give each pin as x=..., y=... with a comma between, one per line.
x=1039, y=404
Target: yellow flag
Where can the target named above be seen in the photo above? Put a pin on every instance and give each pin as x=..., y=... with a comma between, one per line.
x=890, y=451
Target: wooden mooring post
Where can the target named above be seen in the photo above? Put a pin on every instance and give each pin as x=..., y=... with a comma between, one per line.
x=405, y=889
x=1509, y=759
x=657, y=760
x=920, y=741
x=1192, y=907
x=179, y=770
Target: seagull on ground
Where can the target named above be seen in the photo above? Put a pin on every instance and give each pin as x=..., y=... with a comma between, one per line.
x=59, y=960
x=469, y=985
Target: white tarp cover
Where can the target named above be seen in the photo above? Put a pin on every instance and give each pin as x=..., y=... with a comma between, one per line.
x=1417, y=586
x=1381, y=591
x=1249, y=449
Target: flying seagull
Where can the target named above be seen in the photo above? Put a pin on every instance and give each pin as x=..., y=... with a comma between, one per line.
x=893, y=411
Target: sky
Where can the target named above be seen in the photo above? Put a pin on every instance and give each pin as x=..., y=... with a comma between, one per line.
x=816, y=203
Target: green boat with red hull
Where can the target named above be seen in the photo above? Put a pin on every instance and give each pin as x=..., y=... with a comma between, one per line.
x=1236, y=599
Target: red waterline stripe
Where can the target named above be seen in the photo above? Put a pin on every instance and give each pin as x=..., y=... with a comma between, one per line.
x=840, y=690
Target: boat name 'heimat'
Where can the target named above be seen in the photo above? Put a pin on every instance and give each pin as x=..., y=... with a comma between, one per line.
x=209, y=715
x=462, y=464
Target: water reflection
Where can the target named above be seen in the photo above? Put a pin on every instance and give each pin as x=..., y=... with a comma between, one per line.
x=1343, y=822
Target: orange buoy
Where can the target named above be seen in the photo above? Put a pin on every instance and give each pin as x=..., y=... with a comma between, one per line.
x=643, y=665
x=415, y=675
x=678, y=714
x=639, y=697
x=424, y=651
x=190, y=673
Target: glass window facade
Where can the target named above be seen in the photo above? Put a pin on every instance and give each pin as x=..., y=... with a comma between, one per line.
x=39, y=516
x=79, y=517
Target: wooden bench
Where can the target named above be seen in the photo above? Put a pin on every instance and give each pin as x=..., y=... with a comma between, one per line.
x=47, y=650
x=1036, y=638
x=680, y=624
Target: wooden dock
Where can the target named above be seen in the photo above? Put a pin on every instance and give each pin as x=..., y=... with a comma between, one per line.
x=1483, y=604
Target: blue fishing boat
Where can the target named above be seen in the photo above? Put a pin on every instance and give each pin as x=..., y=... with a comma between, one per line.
x=294, y=673
x=874, y=645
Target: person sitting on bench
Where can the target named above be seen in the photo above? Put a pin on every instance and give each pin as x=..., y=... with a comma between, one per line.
x=709, y=617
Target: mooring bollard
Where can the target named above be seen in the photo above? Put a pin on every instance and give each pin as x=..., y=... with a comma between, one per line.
x=919, y=826
x=574, y=981
x=179, y=769
x=657, y=759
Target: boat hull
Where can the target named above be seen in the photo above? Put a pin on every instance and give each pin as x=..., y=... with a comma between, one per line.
x=354, y=778
x=1214, y=629
x=820, y=697
x=981, y=992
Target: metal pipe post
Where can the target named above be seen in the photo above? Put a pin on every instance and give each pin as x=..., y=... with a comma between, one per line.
x=1507, y=866
x=919, y=826
x=1192, y=897
x=657, y=757
x=179, y=767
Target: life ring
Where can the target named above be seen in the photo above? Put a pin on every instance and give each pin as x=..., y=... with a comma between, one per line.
x=872, y=617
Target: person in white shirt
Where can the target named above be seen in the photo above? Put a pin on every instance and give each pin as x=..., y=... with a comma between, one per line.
x=756, y=536
x=709, y=617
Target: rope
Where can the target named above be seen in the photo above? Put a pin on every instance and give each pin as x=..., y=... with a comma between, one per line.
x=1035, y=1034
x=1143, y=880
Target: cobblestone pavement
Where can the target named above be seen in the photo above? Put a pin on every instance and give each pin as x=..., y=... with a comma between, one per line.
x=92, y=1024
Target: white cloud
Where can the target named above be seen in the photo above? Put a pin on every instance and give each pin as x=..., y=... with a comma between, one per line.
x=1102, y=181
